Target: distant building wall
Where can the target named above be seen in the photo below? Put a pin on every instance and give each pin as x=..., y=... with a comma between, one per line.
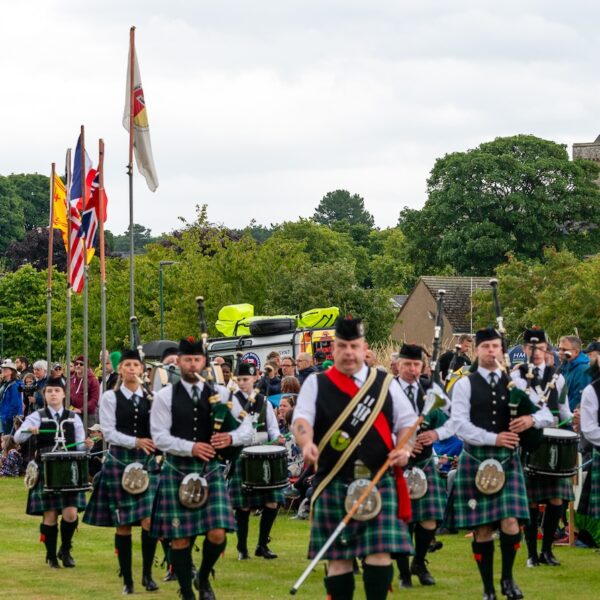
x=588, y=151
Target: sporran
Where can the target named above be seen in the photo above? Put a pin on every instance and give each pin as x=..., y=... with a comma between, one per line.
x=32, y=474
x=193, y=491
x=135, y=479
x=490, y=477
x=371, y=506
x=417, y=482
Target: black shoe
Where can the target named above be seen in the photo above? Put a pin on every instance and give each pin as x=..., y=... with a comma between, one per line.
x=149, y=583
x=67, y=559
x=170, y=576
x=489, y=596
x=420, y=570
x=127, y=589
x=511, y=590
x=190, y=596
x=533, y=561
x=265, y=552
x=435, y=545
x=243, y=555
x=52, y=562
x=206, y=591
x=547, y=558
x=406, y=582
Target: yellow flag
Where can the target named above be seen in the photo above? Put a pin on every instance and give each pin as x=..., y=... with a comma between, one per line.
x=59, y=217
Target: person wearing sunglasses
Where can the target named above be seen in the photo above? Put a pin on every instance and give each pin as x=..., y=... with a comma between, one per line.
x=77, y=381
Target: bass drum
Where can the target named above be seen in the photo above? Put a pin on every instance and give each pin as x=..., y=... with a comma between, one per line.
x=162, y=375
x=556, y=456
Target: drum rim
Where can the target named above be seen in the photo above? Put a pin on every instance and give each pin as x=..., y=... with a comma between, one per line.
x=71, y=454
x=553, y=433
x=557, y=474
x=274, y=451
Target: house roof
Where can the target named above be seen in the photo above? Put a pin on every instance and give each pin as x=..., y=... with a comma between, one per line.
x=398, y=300
x=457, y=301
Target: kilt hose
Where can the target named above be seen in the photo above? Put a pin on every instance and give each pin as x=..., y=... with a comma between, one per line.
x=470, y=507
x=39, y=501
x=385, y=533
x=241, y=498
x=589, y=503
x=170, y=519
x=110, y=505
x=433, y=504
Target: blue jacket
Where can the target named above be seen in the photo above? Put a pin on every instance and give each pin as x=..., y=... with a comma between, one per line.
x=576, y=376
x=11, y=403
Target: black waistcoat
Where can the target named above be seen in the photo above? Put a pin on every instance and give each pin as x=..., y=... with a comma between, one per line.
x=489, y=408
x=543, y=383
x=418, y=404
x=131, y=419
x=257, y=409
x=44, y=442
x=331, y=401
x=189, y=421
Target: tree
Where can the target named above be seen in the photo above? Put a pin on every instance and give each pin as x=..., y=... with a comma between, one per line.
x=142, y=236
x=390, y=267
x=13, y=218
x=517, y=194
x=33, y=250
x=34, y=191
x=342, y=207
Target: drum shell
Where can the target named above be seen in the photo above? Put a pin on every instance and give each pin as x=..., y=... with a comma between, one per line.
x=263, y=470
x=65, y=471
x=555, y=456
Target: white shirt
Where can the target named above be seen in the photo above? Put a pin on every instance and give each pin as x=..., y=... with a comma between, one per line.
x=272, y=424
x=33, y=420
x=161, y=420
x=589, y=415
x=461, y=413
x=108, y=417
x=306, y=408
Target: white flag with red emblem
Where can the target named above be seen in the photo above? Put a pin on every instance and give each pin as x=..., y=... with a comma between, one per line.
x=142, y=146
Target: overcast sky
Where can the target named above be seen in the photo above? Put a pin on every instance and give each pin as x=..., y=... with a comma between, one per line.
x=259, y=108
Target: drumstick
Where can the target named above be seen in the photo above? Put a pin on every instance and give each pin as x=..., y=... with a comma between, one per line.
x=40, y=431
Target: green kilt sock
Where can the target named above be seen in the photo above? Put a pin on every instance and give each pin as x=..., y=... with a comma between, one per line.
x=402, y=562
x=148, y=551
x=266, y=524
x=181, y=561
x=123, y=550
x=340, y=587
x=423, y=538
x=49, y=535
x=483, y=552
x=242, y=518
x=67, y=530
x=377, y=581
x=551, y=519
x=509, y=544
x=210, y=555
x=531, y=531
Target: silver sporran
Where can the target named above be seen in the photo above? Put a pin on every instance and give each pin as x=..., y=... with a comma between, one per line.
x=135, y=479
x=490, y=477
x=32, y=475
x=193, y=491
x=371, y=506
x=417, y=482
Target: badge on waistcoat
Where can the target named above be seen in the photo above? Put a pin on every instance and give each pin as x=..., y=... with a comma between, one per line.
x=340, y=440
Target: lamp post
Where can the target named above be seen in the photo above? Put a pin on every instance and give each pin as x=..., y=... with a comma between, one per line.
x=161, y=264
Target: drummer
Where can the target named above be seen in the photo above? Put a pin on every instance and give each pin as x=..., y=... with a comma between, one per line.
x=168, y=371
x=43, y=424
x=125, y=422
x=266, y=429
x=533, y=377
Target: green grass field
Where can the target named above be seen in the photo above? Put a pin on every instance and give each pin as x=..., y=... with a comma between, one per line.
x=24, y=574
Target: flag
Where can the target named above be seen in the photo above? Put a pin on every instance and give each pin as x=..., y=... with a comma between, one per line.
x=75, y=191
x=91, y=216
x=77, y=246
x=141, y=133
x=59, y=208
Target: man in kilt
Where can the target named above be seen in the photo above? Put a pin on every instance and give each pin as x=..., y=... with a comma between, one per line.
x=182, y=428
x=534, y=377
x=343, y=422
x=481, y=418
x=266, y=429
x=43, y=424
x=428, y=511
x=125, y=422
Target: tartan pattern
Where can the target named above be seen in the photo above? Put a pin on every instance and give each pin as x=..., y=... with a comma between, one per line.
x=510, y=501
x=433, y=504
x=249, y=499
x=589, y=503
x=170, y=519
x=39, y=501
x=545, y=487
x=386, y=533
x=110, y=505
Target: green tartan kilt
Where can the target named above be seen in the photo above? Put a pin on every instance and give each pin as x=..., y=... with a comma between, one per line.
x=541, y=488
x=38, y=501
x=241, y=498
x=110, y=505
x=470, y=507
x=589, y=503
x=170, y=519
x=386, y=533
x=433, y=504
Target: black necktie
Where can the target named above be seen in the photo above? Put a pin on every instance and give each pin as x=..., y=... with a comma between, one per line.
x=136, y=399
x=57, y=416
x=493, y=380
x=411, y=395
x=536, y=376
x=195, y=394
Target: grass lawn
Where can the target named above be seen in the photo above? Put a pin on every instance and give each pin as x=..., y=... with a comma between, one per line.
x=24, y=574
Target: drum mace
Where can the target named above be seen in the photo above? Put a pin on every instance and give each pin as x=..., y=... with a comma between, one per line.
x=431, y=404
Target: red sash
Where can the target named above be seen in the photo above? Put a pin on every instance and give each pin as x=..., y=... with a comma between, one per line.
x=347, y=385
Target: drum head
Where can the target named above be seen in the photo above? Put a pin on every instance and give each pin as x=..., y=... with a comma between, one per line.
x=560, y=435
x=370, y=507
x=135, y=479
x=264, y=451
x=193, y=491
x=490, y=477
x=65, y=455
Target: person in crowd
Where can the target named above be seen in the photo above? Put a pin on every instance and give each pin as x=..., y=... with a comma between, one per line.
x=593, y=352
x=288, y=366
x=96, y=451
x=270, y=383
x=77, y=380
x=575, y=369
x=11, y=401
x=10, y=457
x=57, y=372
x=40, y=371
x=304, y=364
x=125, y=422
x=319, y=358
x=22, y=363
x=28, y=388
x=457, y=358
x=284, y=412
x=290, y=385
x=110, y=372
x=226, y=370
x=275, y=357
x=394, y=361
x=43, y=424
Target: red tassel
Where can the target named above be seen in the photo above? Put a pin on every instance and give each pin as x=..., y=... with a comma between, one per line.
x=517, y=546
x=116, y=552
x=42, y=538
x=478, y=557
x=404, y=507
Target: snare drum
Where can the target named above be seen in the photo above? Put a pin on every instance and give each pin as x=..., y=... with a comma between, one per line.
x=66, y=471
x=556, y=456
x=264, y=467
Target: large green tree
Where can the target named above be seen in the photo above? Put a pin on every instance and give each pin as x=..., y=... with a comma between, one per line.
x=34, y=191
x=516, y=194
x=11, y=214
